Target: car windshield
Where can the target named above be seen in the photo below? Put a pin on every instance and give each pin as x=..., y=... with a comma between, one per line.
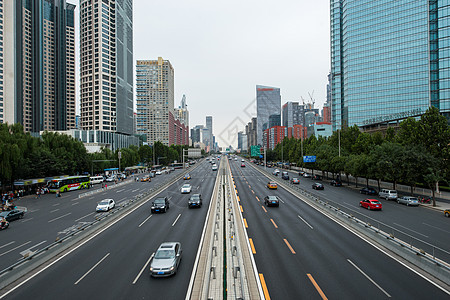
x=3, y=214
x=186, y=186
x=272, y=198
x=375, y=202
x=159, y=201
x=104, y=203
x=165, y=254
x=413, y=199
x=195, y=197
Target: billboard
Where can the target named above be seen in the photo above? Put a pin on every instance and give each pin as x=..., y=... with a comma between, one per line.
x=194, y=152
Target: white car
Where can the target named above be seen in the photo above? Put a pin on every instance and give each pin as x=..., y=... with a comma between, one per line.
x=105, y=205
x=186, y=188
x=276, y=172
x=158, y=172
x=214, y=167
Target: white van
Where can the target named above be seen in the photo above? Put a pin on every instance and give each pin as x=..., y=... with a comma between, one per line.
x=388, y=194
x=96, y=179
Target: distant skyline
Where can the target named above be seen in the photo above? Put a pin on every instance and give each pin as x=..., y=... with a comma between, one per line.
x=220, y=51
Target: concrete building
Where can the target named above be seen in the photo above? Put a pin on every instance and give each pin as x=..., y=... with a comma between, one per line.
x=274, y=135
x=38, y=64
x=268, y=102
x=389, y=60
x=155, y=100
x=209, y=137
x=106, y=65
x=292, y=114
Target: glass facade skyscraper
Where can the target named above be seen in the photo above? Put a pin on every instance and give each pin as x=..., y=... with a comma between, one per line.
x=268, y=102
x=389, y=59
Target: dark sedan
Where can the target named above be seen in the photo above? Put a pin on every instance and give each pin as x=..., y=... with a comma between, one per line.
x=12, y=215
x=195, y=201
x=272, y=201
x=368, y=191
x=317, y=177
x=317, y=186
x=336, y=183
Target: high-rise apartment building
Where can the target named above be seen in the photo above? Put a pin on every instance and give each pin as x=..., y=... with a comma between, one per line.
x=38, y=64
x=106, y=65
x=389, y=60
x=292, y=114
x=155, y=100
x=268, y=102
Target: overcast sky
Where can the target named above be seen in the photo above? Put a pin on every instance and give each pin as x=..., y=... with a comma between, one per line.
x=221, y=50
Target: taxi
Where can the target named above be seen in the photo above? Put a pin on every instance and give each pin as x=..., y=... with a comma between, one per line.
x=145, y=179
x=187, y=177
x=272, y=185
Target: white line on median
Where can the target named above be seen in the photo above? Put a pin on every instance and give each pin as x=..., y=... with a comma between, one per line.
x=305, y=222
x=15, y=248
x=176, y=220
x=36, y=245
x=143, y=268
x=7, y=244
x=145, y=221
x=59, y=217
x=367, y=276
x=91, y=269
x=84, y=216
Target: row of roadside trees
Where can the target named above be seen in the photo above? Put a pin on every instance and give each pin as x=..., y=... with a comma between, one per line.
x=23, y=156
x=417, y=153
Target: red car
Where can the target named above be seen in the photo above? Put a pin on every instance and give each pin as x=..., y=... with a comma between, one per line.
x=370, y=204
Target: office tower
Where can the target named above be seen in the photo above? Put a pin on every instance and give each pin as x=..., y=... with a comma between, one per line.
x=268, y=102
x=106, y=65
x=240, y=138
x=209, y=126
x=38, y=64
x=155, y=100
x=388, y=60
x=274, y=120
x=196, y=133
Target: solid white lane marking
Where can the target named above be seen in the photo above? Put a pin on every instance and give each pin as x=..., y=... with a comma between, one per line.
x=143, y=268
x=36, y=245
x=435, y=227
x=145, y=221
x=59, y=217
x=176, y=220
x=370, y=279
x=305, y=222
x=55, y=210
x=92, y=268
x=15, y=248
x=411, y=230
x=7, y=244
x=84, y=216
x=75, y=203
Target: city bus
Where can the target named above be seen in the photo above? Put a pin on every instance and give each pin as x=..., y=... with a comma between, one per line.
x=176, y=165
x=69, y=184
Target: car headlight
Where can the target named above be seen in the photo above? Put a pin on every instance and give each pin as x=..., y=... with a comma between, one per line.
x=151, y=269
x=171, y=269
x=153, y=207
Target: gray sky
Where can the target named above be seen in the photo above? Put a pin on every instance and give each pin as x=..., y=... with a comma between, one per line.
x=221, y=50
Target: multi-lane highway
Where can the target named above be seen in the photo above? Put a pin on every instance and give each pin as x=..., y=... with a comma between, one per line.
x=114, y=265
x=424, y=228
x=301, y=253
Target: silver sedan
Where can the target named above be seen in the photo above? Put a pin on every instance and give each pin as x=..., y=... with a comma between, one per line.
x=408, y=200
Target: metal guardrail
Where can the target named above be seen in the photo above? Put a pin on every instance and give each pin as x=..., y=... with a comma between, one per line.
x=28, y=255
x=363, y=227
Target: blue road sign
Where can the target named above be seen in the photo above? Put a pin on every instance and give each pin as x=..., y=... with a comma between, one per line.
x=311, y=158
x=260, y=156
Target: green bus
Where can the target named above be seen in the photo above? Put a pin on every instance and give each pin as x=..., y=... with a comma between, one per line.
x=69, y=184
